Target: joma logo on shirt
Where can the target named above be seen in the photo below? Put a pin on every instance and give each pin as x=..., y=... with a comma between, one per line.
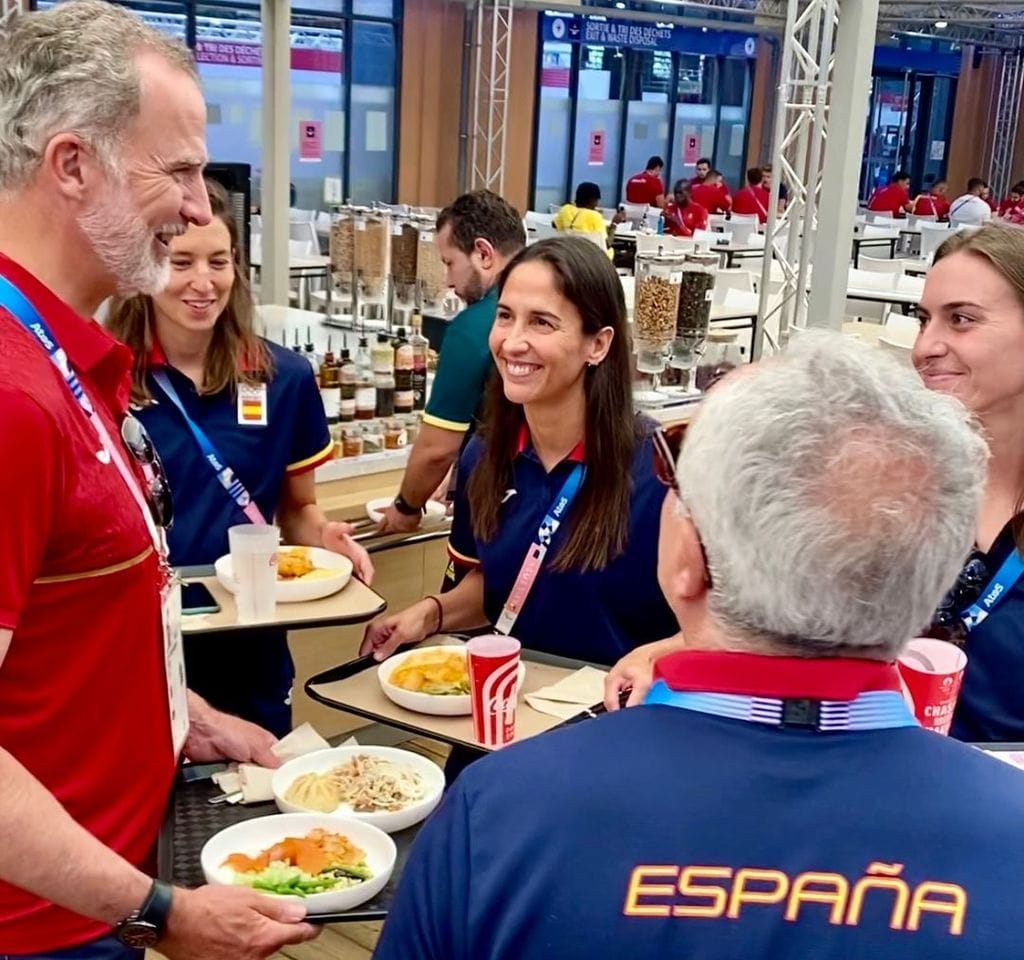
x=717, y=892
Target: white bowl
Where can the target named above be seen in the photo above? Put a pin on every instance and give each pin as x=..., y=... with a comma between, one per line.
x=323, y=760
x=435, y=512
x=297, y=591
x=439, y=706
x=252, y=836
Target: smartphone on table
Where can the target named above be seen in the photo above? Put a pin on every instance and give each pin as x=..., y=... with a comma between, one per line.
x=196, y=598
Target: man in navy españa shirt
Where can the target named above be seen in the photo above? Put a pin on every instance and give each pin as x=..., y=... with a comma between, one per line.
x=773, y=797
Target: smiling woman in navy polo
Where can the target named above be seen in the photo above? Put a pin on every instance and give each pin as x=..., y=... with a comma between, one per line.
x=558, y=521
x=203, y=379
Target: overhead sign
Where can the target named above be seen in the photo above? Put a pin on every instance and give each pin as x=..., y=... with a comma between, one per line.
x=637, y=35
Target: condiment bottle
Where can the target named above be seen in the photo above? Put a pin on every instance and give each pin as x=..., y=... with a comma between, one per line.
x=420, y=347
x=330, y=387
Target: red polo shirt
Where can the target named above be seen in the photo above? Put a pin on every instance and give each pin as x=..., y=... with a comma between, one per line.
x=645, y=187
x=713, y=197
x=83, y=684
x=751, y=201
x=682, y=221
x=889, y=199
x=931, y=204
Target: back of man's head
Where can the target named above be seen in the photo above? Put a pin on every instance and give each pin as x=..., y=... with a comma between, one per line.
x=976, y=185
x=835, y=497
x=72, y=68
x=901, y=176
x=587, y=194
x=755, y=176
x=654, y=164
x=484, y=215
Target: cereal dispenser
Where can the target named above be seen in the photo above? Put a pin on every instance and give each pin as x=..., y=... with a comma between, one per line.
x=694, y=316
x=658, y=276
x=372, y=256
x=404, y=244
x=342, y=249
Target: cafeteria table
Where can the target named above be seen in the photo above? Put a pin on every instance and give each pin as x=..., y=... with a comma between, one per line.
x=303, y=268
x=887, y=240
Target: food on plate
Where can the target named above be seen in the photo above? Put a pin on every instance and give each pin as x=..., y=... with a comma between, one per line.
x=293, y=563
x=368, y=784
x=301, y=866
x=436, y=672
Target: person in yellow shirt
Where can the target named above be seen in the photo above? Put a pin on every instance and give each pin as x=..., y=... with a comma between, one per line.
x=582, y=215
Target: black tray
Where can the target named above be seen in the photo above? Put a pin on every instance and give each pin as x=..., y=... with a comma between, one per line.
x=192, y=820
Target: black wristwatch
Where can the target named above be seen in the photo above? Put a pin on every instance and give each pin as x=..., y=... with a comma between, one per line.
x=147, y=925
x=407, y=509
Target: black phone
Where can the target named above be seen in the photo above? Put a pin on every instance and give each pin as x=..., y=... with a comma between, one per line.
x=196, y=598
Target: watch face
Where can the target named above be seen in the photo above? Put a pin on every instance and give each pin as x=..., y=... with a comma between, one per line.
x=137, y=933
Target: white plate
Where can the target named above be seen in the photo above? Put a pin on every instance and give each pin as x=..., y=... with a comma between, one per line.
x=323, y=760
x=439, y=706
x=296, y=591
x=650, y=398
x=252, y=836
x=436, y=511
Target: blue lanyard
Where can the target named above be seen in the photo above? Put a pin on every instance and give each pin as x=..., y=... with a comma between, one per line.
x=234, y=487
x=997, y=588
x=873, y=710
x=24, y=311
x=538, y=550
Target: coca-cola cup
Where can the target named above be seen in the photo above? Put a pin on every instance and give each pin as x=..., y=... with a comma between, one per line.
x=932, y=672
x=493, y=679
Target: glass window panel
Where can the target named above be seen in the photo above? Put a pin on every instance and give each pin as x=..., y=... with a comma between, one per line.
x=938, y=123
x=647, y=118
x=598, y=118
x=735, y=80
x=731, y=153
x=373, y=8
x=552, y=145
x=371, y=173
x=695, y=124
x=697, y=77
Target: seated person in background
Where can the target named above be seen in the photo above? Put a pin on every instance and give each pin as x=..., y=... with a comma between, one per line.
x=932, y=202
x=727, y=817
x=703, y=168
x=647, y=186
x=766, y=169
x=682, y=216
x=1011, y=208
x=712, y=194
x=986, y=195
x=753, y=199
x=582, y=215
x=971, y=208
x=894, y=197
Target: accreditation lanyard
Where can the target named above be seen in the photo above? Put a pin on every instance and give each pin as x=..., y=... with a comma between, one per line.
x=232, y=486
x=538, y=549
x=871, y=710
x=997, y=588
x=24, y=311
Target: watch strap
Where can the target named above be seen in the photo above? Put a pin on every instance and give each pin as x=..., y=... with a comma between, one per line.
x=405, y=508
x=156, y=907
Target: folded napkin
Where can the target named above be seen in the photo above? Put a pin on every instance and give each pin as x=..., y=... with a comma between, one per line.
x=571, y=695
x=250, y=783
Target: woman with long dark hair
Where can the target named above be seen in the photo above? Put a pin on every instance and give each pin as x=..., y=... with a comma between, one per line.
x=557, y=524
x=203, y=377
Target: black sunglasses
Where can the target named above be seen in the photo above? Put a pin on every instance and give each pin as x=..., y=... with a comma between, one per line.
x=158, y=490
x=947, y=621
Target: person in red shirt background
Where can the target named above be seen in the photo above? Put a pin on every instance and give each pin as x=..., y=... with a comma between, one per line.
x=703, y=169
x=712, y=194
x=647, y=187
x=986, y=195
x=1011, y=208
x=753, y=199
x=894, y=198
x=933, y=202
x=683, y=215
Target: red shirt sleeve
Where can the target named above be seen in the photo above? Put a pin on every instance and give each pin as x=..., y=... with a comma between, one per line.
x=30, y=489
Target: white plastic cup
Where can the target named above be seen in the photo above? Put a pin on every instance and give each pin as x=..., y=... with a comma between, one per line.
x=254, y=566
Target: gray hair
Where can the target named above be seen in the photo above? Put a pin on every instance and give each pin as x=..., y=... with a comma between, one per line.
x=836, y=498
x=73, y=69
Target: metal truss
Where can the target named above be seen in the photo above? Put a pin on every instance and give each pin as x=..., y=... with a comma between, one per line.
x=490, y=94
x=1007, y=117
x=8, y=8
x=799, y=139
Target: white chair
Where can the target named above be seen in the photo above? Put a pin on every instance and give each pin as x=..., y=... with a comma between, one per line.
x=711, y=237
x=737, y=279
x=255, y=223
x=885, y=220
x=598, y=238
x=914, y=220
x=635, y=212
x=543, y=231
x=651, y=218
x=553, y=208
x=295, y=215
x=870, y=280
x=535, y=217
x=899, y=328
x=932, y=237
x=629, y=293
x=882, y=265
x=649, y=243
x=323, y=223
x=717, y=222
x=302, y=238
x=744, y=224
x=678, y=244
x=895, y=348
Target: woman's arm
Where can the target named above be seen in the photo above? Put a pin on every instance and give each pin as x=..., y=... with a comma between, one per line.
x=461, y=608
x=303, y=523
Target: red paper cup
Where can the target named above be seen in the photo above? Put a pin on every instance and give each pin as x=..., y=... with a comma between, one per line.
x=933, y=671
x=493, y=678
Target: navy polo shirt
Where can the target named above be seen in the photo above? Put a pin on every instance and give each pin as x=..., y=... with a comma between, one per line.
x=991, y=705
x=294, y=439
x=599, y=615
x=625, y=837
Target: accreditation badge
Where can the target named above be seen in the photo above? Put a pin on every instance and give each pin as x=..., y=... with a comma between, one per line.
x=252, y=404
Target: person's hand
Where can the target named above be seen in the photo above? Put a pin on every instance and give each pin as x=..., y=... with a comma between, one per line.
x=387, y=633
x=633, y=673
x=232, y=923
x=619, y=216
x=337, y=537
x=395, y=522
x=213, y=735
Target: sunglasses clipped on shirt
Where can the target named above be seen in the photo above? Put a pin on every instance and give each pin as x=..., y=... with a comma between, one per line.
x=157, y=490
x=948, y=620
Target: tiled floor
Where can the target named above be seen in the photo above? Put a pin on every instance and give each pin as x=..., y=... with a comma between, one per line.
x=349, y=941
